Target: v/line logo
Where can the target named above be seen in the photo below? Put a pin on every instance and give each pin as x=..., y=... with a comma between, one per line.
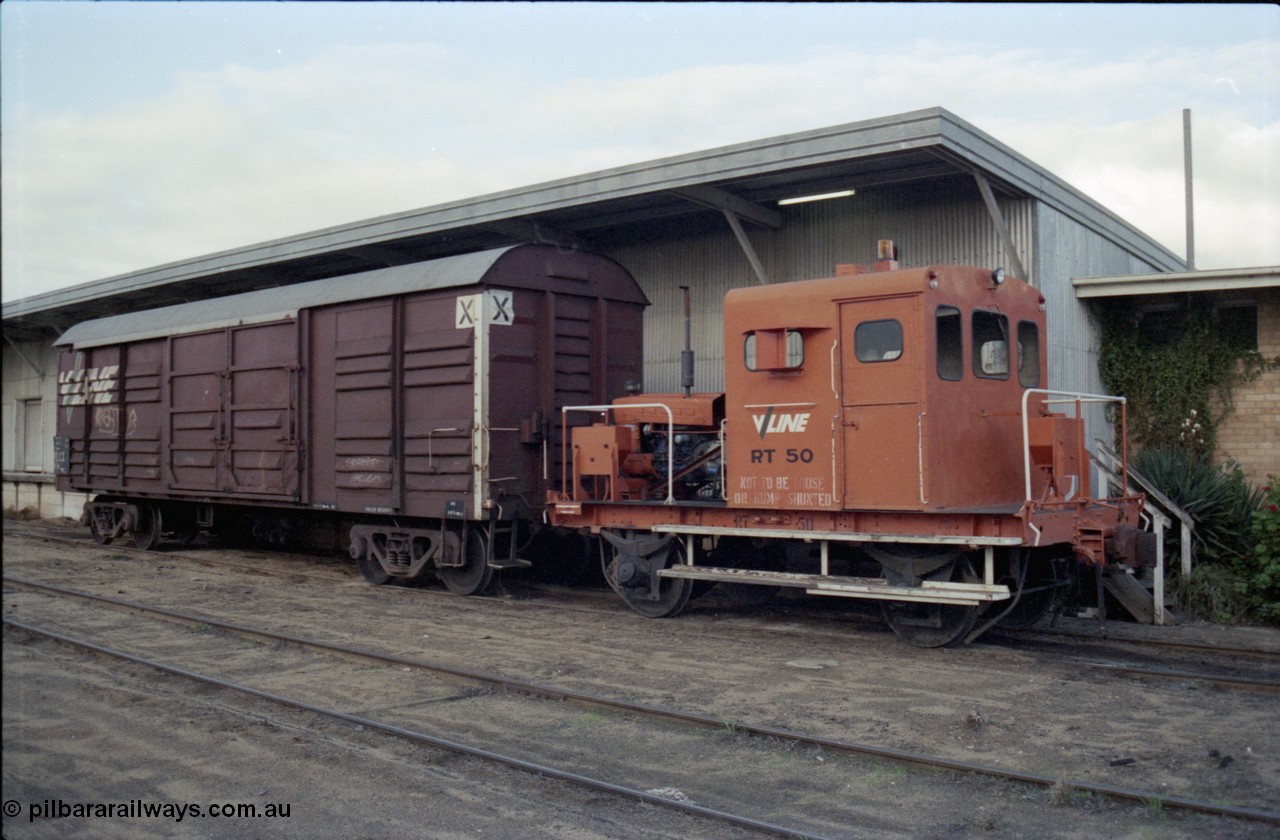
x=771, y=423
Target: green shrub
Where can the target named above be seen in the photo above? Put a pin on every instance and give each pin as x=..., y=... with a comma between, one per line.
x=1235, y=573
x=1211, y=591
x=1219, y=499
x=1262, y=577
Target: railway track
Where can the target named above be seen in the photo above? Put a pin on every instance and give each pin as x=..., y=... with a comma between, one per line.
x=510, y=685
x=1112, y=649
x=132, y=551
x=426, y=739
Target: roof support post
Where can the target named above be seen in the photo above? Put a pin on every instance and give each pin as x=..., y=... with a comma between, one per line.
x=736, y=209
x=989, y=198
x=745, y=243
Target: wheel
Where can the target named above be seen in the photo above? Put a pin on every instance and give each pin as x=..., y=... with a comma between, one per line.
x=1040, y=587
x=673, y=593
x=933, y=625
x=475, y=574
x=929, y=625
x=146, y=532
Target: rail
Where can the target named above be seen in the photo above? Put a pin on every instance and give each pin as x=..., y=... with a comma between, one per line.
x=521, y=687
x=1055, y=397
x=415, y=736
x=671, y=436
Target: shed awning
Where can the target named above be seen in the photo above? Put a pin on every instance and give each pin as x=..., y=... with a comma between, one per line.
x=1220, y=280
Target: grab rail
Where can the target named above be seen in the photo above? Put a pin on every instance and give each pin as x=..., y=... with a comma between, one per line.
x=1078, y=399
x=671, y=427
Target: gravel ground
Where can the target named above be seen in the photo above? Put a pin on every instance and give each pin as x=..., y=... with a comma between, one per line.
x=79, y=728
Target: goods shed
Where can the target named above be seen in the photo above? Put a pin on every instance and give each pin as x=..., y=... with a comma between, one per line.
x=765, y=211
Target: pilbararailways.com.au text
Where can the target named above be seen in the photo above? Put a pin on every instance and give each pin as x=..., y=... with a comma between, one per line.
x=140, y=809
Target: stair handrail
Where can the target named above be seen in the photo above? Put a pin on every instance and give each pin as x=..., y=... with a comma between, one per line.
x=1187, y=523
x=1159, y=522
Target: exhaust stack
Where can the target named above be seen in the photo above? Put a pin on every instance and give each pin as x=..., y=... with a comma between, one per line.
x=686, y=355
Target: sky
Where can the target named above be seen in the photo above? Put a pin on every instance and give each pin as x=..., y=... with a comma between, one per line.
x=137, y=134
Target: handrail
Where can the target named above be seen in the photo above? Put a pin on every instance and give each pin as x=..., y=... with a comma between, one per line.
x=1185, y=520
x=671, y=433
x=1147, y=487
x=1072, y=397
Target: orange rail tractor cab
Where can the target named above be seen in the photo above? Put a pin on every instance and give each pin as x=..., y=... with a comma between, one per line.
x=884, y=434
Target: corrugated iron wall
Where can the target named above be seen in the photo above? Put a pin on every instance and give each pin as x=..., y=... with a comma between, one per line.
x=1067, y=249
x=931, y=224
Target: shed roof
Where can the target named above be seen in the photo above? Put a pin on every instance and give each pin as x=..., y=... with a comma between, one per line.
x=515, y=266
x=1220, y=280
x=601, y=208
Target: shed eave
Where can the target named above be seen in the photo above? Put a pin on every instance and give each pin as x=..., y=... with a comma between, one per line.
x=1219, y=280
x=927, y=143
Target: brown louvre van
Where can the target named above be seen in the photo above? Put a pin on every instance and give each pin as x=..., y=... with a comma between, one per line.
x=413, y=399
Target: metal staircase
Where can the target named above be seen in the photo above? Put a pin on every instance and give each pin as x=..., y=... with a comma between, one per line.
x=1142, y=595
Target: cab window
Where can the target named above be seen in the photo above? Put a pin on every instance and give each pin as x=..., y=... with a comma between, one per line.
x=990, y=345
x=950, y=346
x=773, y=350
x=878, y=341
x=1028, y=354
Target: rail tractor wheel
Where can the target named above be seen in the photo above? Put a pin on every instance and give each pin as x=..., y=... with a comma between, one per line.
x=475, y=574
x=1042, y=580
x=630, y=576
x=147, y=530
x=934, y=625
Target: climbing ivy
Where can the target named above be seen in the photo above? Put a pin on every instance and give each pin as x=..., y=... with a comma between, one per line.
x=1179, y=384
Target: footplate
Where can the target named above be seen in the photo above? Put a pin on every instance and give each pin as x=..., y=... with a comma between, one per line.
x=929, y=591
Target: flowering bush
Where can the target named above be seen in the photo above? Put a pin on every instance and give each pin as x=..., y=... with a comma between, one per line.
x=1191, y=433
x=1264, y=578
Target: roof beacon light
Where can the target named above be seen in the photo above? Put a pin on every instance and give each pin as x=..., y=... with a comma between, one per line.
x=997, y=277
x=886, y=256
x=820, y=197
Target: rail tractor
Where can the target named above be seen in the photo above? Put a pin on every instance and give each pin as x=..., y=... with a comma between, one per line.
x=883, y=434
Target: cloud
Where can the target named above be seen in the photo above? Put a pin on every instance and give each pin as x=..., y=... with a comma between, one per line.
x=243, y=155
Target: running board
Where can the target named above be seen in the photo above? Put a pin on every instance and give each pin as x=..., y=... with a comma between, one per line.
x=929, y=591
x=834, y=536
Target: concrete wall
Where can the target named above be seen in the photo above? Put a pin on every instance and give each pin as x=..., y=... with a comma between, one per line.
x=29, y=420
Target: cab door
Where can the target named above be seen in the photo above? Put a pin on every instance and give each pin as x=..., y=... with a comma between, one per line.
x=881, y=366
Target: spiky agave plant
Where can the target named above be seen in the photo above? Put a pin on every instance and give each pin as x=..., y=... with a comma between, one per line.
x=1218, y=498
